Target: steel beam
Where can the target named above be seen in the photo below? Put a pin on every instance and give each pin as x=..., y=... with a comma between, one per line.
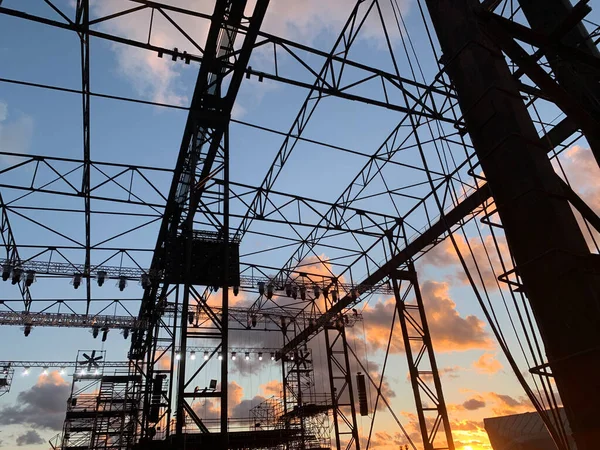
x=550, y=252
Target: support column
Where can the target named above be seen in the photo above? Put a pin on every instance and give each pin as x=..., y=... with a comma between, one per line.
x=552, y=258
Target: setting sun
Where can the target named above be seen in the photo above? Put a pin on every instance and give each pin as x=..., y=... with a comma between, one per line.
x=467, y=447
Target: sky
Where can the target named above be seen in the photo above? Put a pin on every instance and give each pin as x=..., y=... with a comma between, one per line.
x=477, y=380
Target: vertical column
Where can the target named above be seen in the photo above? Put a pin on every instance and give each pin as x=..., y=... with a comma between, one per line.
x=550, y=252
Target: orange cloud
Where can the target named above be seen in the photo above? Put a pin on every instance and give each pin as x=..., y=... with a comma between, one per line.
x=272, y=388
x=53, y=378
x=487, y=363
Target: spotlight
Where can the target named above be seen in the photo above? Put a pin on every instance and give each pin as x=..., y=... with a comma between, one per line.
x=5, y=272
x=29, y=278
x=288, y=290
x=95, y=330
x=205, y=356
x=261, y=287
x=260, y=356
x=101, y=277
x=191, y=318
x=270, y=291
x=76, y=280
x=104, y=334
x=125, y=333
x=25, y=371
x=247, y=356
x=253, y=320
x=317, y=291
x=326, y=293
x=96, y=372
x=122, y=283
x=236, y=290
x=334, y=296
x=294, y=292
x=303, y=292
x=272, y=356
x=192, y=355
x=16, y=276
x=220, y=356
x=177, y=356
x=291, y=356
x=233, y=355
x=45, y=371
x=27, y=330
x=62, y=371
x=145, y=280
x=82, y=371
x=354, y=294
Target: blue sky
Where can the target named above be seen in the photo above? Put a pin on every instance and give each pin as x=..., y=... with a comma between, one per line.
x=37, y=121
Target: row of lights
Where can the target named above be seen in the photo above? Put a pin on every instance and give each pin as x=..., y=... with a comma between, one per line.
x=27, y=371
x=16, y=275
x=293, y=291
x=220, y=356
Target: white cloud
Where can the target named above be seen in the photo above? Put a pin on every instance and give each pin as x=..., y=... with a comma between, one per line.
x=15, y=134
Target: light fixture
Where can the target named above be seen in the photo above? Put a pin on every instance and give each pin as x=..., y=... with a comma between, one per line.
x=288, y=290
x=294, y=292
x=190, y=318
x=220, y=356
x=205, y=356
x=302, y=292
x=145, y=281
x=326, y=293
x=27, y=330
x=29, y=278
x=261, y=287
x=236, y=290
x=247, y=356
x=104, y=334
x=272, y=356
x=270, y=291
x=122, y=282
x=45, y=371
x=6, y=272
x=316, y=291
x=253, y=320
x=96, y=372
x=260, y=356
x=354, y=294
x=291, y=356
x=82, y=371
x=125, y=333
x=177, y=356
x=62, y=371
x=16, y=276
x=76, y=280
x=192, y=355
x=26, y=371
x=95, y=330
x=233, y=355
x=334, y=295
x=101, y=277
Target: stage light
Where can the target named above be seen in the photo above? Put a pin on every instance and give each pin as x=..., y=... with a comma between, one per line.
x=16, y=276
x=261, y=287
x=317, y=291
x=253, y=320
x=236, y=290
x=302, y=292
x=334, y=296
x=220, y=356
x=191, y=318
x=62, y=371
x=354, y=294
x=270, y=291
x=27, y=330
x=104, y=334
x=205, y=356
x=247, y=356
x=76, y=280
x=260, y=356
x=291, y=356
x=82, y=372
x=122, y=283
x=272, y=356
x=177, y=356
x=95, y=330
x=192, y=355
x=233, y=355
x=326, y=293
x=45, y=371
x=29, y=278
x=101, y=277
x=26, y=371
x=145, y=280
x=6, y=272
x=125, y=333
x=96, y=372
x=294, y=292
x=288, y=290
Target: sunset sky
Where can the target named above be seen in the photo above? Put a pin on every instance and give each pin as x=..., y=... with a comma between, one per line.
x=477, y=380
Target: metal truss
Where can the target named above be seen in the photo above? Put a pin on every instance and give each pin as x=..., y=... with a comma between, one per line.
x=419, y=186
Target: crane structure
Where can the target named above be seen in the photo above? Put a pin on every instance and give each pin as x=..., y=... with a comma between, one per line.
x=484, y=104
